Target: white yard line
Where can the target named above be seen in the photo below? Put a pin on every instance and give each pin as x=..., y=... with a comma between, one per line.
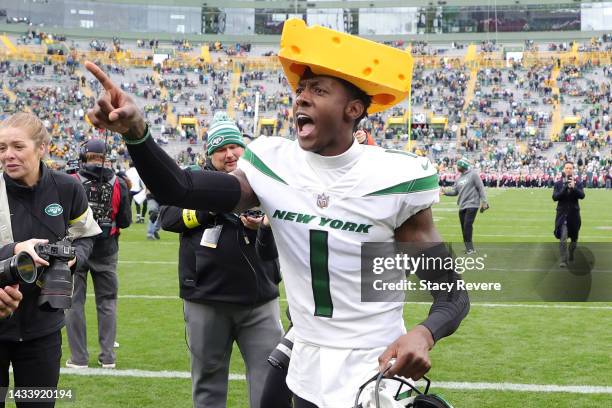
x=154, y=297
x=477, y=304
x=583, y=238
x=527, y=305
x=573, y=389
x=144, y=242
x=503, y=386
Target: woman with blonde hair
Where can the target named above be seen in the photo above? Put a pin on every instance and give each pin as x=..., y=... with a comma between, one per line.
x=37, y=206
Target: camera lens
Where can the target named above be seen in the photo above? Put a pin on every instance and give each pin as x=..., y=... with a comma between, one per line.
x=20, y=267
x=25, y=267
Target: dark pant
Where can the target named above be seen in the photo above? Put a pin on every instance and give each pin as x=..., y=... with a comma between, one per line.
x=466, y=218
x=36, y=363
x=302, y=403
x=211, y=331
x=139, y=213
x=567, y=254
x=104, y=276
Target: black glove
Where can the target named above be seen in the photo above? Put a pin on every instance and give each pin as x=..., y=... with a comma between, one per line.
x=203, y=217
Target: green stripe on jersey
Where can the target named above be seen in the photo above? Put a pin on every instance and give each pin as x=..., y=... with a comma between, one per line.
x=319, y=258
x=259, y=165
x=412, y=186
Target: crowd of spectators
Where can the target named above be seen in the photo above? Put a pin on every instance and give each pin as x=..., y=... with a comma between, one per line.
x=504, y=128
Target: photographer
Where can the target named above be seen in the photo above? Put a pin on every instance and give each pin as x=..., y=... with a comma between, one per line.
x=109, y=199
x=37, y=205
x=568, y=190
x=230, y=292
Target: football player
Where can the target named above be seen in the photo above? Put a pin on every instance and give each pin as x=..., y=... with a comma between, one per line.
x=325, y=195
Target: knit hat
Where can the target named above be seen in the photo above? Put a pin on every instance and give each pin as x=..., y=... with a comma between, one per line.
x=223, y=131
x=463, y=163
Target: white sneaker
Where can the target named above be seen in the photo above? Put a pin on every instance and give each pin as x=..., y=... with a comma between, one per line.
x=70, y=364
x=109, y=365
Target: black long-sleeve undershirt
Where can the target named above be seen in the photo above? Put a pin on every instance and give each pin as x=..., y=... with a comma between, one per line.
x=447, y=312
x=449, y=308
x=199, y=190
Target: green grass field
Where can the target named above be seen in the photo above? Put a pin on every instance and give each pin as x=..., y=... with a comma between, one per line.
x=515, y=343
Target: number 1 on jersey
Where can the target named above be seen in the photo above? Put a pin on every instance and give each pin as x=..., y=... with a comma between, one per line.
x=319, y=257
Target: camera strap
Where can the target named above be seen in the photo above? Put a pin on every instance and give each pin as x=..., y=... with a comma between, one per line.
x=42, y=222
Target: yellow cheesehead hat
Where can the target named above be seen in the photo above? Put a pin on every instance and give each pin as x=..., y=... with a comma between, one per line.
x=383, y=72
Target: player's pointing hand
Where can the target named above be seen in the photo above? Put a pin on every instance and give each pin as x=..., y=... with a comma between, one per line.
x=115, y=110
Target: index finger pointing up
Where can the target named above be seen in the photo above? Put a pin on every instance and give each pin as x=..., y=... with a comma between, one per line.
x=100, y=75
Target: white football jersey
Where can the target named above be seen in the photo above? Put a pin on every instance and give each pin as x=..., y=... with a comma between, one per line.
x=319, y=231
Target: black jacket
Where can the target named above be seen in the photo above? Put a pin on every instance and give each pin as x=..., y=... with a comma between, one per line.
x=30, y=220
x=237, y=271
x=568, y=209
x=104, y=244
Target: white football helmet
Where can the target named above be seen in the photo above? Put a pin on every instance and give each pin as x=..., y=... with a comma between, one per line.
x=381, y=392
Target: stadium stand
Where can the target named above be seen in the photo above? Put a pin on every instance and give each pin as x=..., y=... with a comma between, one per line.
x=517, y=120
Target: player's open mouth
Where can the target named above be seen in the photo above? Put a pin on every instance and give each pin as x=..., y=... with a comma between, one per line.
x=305, y=124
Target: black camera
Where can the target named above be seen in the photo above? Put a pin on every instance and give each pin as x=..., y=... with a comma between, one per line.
x=20, y=268
x=56, y=281
x=280, y=356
